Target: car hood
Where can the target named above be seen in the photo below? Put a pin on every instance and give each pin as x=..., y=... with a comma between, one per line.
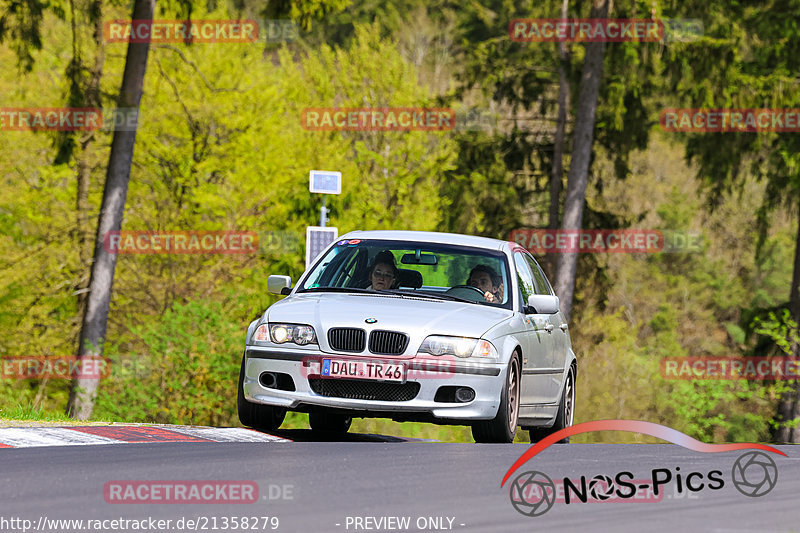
x=416, y=316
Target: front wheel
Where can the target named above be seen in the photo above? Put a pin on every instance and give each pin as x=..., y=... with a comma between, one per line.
x=566, y=411
x=256, y=415
x=504, y=426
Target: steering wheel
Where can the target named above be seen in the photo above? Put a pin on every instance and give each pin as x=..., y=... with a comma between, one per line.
x=467, y=292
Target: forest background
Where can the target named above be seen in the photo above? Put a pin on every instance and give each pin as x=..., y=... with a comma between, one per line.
x=221, y=146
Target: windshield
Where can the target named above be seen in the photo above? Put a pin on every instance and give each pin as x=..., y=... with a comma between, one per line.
x=433, y=270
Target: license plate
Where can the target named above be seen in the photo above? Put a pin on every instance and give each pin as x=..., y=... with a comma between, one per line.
x=378, y=370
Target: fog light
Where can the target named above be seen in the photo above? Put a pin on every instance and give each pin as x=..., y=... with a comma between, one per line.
x=465, y=394
x=268, y=380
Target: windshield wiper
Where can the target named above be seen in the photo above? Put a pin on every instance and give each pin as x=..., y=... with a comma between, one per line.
x=337, y=289
x=389, y=291
x=429, y=295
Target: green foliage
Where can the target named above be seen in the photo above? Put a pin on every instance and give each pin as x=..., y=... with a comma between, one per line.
x=675, y=305
x=20, y=23
x=28, y=412
x=187, y=365
x=304, y=11
x=781, y=329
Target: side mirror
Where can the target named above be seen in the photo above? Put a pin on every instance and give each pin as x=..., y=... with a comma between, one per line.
x=544, y=304
x=279, y=284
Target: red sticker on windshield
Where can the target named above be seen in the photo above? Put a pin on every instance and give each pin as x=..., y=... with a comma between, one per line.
x=354, y=241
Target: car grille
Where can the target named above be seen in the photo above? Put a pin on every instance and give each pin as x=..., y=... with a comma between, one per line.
x=347, y=339
x=387, y=342
x=364, y=390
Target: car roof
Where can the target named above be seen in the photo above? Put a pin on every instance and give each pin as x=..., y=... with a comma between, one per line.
x=430, y=237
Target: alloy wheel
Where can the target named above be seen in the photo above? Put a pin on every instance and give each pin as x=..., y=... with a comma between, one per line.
x=513, y=394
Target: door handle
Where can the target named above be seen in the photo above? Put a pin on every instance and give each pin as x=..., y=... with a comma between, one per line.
x=549, y=328
x=563, y=326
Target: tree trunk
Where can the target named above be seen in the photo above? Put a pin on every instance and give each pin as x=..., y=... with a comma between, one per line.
x=83, y=168
x=84, y=232
x=93, y=329
x=789, y=405
x=581, y=155
x=557, y=175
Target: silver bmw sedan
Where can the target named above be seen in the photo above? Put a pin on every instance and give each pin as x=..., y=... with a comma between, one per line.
x=407, y=325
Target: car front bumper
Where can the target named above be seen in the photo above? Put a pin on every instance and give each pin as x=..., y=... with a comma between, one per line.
x=485, y=378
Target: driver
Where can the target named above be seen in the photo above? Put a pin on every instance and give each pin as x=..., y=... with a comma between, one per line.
x=486, y=279
x=383, y=274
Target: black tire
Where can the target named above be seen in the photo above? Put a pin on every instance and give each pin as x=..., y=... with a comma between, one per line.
x=256, y=415
x=503, y=427
x=329, y=422
x=566, y=411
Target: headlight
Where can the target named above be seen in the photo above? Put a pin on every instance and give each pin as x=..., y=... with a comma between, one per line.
x=304, y=335
x=440, y=345
x=280, y=333
x=458, y=346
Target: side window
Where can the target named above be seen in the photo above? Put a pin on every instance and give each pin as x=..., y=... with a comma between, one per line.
x=525, y=278
x=542, y=285
x=322, y=274
x=340, y=270
x=352, y=270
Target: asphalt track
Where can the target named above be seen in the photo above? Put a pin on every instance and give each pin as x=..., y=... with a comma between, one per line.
x=316, y=486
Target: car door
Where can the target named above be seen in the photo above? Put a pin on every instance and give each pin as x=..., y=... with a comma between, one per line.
x=557, y=327
x=537, y=342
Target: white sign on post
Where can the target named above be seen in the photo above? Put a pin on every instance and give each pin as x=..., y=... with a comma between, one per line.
x=325, y=182
x=317, y=239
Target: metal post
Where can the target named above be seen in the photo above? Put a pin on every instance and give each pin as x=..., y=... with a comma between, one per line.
x=323, y=213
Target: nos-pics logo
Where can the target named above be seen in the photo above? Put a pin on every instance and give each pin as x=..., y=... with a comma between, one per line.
x=533, y=493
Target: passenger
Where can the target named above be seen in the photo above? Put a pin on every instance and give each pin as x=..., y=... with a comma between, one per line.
x=486, y=279
x=383, y=274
